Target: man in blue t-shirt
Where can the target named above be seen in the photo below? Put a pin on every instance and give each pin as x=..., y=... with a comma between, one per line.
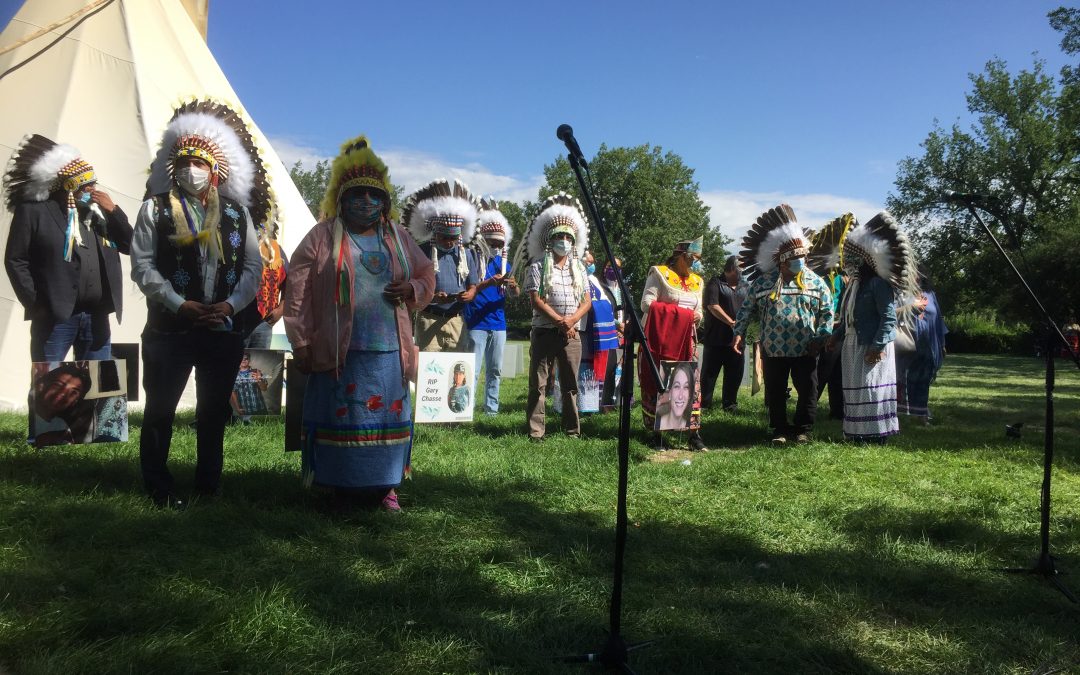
x=485, y=316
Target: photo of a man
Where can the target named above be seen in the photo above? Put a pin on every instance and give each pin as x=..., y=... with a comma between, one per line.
x=67, y=407
x=459, y=395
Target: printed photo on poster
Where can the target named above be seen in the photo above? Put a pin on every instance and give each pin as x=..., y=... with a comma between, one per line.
x=258, y=383
x=77, y=402
x=677, y=408
x=588, y=390
x=444, y=388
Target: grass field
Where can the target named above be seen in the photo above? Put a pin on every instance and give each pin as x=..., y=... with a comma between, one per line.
x=819, y=558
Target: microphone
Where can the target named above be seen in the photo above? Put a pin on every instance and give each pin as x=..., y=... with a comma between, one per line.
x=565, y=133
x=951, y=196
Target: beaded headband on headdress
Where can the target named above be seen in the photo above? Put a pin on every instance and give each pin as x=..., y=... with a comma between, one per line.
x=202, y=148
x=76, y=174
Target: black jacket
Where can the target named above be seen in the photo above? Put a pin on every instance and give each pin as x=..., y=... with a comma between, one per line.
x=45, y=284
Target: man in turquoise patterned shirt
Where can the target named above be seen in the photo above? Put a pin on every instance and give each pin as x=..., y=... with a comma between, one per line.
x=795, y=310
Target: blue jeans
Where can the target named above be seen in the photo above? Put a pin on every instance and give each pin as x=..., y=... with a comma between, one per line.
x=488, y=348
x=260, y=337
x=88, y=333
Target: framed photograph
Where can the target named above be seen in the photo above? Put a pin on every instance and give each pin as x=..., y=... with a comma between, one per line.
x=678, y=408
x=78, y=402
x=257, y=390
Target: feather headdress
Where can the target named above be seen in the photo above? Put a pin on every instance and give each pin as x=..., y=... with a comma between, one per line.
x=443, y=208
x=216, y=133
x=356, y=166
x=39, y=167
x=827, y=251
x=490, y=222
x=559, y=213
x=883, y=246
x=774, y=238
x=440, y=205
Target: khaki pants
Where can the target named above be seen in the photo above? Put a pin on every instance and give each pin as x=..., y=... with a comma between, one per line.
x=550, y=348
x=440, y=333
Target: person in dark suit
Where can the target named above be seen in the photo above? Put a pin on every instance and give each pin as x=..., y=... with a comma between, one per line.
x=63, y=251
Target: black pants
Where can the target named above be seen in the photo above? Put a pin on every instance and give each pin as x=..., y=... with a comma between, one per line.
x=829, y=376
x=167, y=362
x=803, y=372
x=713, y=360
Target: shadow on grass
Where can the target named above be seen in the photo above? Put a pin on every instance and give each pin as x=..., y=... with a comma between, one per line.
x=251, y=583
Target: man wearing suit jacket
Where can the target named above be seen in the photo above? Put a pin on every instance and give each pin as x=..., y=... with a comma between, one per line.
x=63, y=251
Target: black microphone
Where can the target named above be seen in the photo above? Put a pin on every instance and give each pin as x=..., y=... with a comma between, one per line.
x=951, y=196
x=566, y=134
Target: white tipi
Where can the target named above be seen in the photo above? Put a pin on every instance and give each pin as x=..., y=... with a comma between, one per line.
x=105, y=76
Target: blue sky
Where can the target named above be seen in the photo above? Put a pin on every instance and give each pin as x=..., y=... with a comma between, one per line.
x=807, y=102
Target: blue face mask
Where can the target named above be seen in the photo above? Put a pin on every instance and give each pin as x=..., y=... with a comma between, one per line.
x=591, y=268
x=795, y=265
x=84, y=197
x=697, y=267
x=362, y=210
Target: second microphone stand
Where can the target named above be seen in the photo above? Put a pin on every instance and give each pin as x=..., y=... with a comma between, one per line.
x=1044, y=565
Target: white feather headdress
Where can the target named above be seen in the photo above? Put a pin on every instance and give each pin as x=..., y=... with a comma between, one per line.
x=33, y=172
x=489, y=219
x=214, y=129
x=883, y=246
x=440, y=202
x=773, y=239
x=439, y=199
x=558, y=212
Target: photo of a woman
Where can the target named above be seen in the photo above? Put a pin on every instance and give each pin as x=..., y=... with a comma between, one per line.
x=676, y=405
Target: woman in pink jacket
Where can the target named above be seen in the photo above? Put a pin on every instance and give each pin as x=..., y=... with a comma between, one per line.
x=353, y=281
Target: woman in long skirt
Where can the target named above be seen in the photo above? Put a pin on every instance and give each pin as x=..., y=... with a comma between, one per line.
x=872, y=253
x=354, y=280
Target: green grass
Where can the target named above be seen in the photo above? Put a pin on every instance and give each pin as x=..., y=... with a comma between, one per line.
x=821, y=558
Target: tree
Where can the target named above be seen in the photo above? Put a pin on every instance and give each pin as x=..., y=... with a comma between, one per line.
x=1021, y=155
x=648, y=200
x=311, y=184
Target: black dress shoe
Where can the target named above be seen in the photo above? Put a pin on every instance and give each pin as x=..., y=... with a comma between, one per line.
x=168, y=501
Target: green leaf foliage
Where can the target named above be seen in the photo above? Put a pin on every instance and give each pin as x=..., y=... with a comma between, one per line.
x=1022, y=153
x=648, y=200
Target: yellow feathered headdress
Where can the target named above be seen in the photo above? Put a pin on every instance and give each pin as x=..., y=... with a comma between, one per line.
x=356, y=166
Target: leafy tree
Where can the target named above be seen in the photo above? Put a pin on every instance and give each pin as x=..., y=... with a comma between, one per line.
x=1021, y=155
x=648, y=200
x=311, y=183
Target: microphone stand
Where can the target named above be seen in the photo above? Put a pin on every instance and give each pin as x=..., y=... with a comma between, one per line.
x=615, y=651
x=1044, y=565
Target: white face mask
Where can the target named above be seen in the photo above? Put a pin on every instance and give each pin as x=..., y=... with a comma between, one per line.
x=192, y=179
x=561, y=247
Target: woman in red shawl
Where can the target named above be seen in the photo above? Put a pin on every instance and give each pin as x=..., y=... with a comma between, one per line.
x=672, y=309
